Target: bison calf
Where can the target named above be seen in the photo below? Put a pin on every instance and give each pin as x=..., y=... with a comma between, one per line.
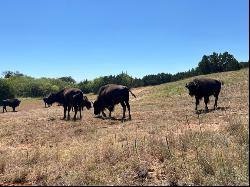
x=45, y=100
x=11, y=103
x=204, y=87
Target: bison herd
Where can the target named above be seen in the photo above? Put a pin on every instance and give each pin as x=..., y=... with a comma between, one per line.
x=111, y=94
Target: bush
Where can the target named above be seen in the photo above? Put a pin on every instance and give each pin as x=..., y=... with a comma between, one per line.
x=25, y=86
x=5, y=90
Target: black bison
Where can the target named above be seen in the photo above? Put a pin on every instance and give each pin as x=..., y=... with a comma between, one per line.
x=68, y=98
x=45, y=100
x=110, y=95
x=11, y=103
x=204, y=87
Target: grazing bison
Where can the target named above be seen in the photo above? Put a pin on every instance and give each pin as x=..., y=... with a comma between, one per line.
x=11, y=103
x=69, y=97
x=45, y=100
x=110, y=95
x=204, y=87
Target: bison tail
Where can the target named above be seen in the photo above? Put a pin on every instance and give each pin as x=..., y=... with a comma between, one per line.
x=131, y=93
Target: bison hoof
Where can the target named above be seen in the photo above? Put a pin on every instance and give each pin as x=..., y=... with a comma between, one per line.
x=123, y=119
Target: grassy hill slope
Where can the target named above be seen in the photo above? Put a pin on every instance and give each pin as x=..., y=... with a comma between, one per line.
x=165, y=143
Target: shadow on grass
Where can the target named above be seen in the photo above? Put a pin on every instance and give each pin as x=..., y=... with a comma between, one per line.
x=112, y=118
x=9, y=111
x=211, y=110
x=66, y=119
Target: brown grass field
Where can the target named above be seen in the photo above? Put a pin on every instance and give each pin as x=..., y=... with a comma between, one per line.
x=165, y=143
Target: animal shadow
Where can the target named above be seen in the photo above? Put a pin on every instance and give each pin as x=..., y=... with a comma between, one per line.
x=112, y=118
x=202, y=111
x=10, y=111
x=222, y=108
x=71, y=119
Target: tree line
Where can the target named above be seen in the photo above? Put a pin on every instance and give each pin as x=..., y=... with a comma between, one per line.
x=16, y=84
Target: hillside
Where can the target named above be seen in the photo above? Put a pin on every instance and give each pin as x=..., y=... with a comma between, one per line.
x=165, y=143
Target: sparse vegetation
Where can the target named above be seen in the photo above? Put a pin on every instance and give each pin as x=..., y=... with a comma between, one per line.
x=165, y=143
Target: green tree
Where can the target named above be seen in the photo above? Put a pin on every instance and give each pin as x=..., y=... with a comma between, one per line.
x=244, y=64
x=8, y=74
x=229, y=62
x=6, y=91
x=204, y=66
x=68, y=79
x=217, y=63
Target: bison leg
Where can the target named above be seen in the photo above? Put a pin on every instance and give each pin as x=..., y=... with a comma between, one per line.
x=80, y=112
x=124, y=109
x=206, y=100
x=110, y=113
x=216, y=99
x=65, y=110
x=75, y=108
x=128, y=106
x=197, y=102
x=69, y=108
x=111, y=108
x=103, y=113
x=14, y=109
x=4, y=109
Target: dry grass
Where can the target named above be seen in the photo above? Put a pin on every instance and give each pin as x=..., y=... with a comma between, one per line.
x=165, y=143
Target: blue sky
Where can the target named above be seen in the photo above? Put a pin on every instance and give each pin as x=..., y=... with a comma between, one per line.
x=86, y=39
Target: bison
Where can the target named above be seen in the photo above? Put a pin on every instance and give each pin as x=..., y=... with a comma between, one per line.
x=84, y=101
x=70, y=97
x=45, y=100
x=204, y=87
x=11, y=103
x=110, y=95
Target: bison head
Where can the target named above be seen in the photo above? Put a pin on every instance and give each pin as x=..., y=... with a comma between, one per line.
x=87, y=103
x=18, y=102
x=51, y=99
x=192, y=87
x=97, y=107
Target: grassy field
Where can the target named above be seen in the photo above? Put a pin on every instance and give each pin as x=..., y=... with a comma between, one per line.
x=165, y=143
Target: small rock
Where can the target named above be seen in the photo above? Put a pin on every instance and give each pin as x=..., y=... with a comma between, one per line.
x=142, y=173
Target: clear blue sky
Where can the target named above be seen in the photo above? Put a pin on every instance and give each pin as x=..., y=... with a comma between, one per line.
x=92, y=38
